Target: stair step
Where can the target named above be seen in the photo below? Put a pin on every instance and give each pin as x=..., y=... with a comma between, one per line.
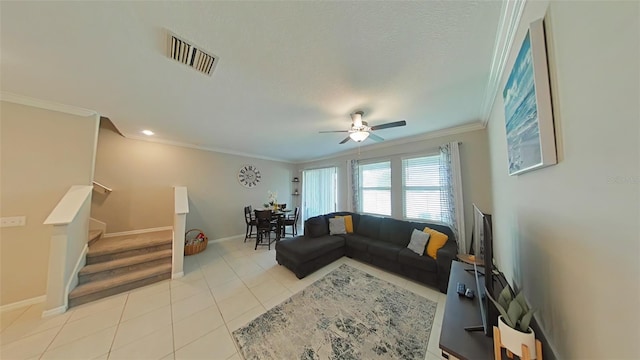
x=117, y=284
x=119, y=247
x=94, y=235
x=103, y=270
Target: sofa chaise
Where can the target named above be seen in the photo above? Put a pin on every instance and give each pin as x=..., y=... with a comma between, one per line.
x=376, y=240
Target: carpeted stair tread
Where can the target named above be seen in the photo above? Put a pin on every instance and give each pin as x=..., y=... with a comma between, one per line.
x=94, y=235
x=118, y=244
x=106, y=284
x=124, y=262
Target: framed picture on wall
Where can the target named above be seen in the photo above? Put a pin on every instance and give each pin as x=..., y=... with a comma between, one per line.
x=531, y=141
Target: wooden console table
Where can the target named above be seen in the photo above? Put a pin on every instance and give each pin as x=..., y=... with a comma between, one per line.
x=460, y=312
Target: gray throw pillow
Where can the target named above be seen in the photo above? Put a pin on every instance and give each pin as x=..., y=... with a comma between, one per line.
x=336, y=226
x=418, y=241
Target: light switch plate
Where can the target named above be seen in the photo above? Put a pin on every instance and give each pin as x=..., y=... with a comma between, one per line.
x=13, y=221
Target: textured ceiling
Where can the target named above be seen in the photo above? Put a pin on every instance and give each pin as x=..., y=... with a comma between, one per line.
x=287, y=69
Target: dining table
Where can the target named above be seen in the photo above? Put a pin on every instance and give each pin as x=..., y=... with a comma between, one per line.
x=279, y=216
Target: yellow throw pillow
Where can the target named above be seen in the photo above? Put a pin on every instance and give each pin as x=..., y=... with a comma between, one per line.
x=348, y=223
x=436, y=241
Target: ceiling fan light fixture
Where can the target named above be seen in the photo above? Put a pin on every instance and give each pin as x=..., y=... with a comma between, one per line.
x=359, y=136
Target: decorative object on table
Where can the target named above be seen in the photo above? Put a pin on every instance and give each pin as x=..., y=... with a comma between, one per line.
x=195, y=241
x=272, y=200
x=249, y=176
x=527, y=106
x=347, y=314
x=514, y=332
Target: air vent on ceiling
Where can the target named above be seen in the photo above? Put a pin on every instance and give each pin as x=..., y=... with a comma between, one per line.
x=186, y=53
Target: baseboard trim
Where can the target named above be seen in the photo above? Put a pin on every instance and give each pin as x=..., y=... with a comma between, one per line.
x=55, y=311
x=72, y=282
x=135, y=232
x=177, y=275
x=226, y=238
x=22, y=303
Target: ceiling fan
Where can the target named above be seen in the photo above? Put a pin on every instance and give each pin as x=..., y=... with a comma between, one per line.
x=360, y=130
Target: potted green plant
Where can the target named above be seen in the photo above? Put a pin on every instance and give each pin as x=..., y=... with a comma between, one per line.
x=514, y=322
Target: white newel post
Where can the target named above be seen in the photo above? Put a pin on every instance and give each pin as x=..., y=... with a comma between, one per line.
x=70, y=221
x=179, y=228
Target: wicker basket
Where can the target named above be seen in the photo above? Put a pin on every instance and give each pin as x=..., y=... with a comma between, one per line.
x=195, y=241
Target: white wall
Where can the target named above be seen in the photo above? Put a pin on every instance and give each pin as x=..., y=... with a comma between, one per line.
x=474, y=154
x=142, y=175
x=568, y=234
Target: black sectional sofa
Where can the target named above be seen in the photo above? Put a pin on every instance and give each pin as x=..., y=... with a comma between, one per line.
x=375, y=240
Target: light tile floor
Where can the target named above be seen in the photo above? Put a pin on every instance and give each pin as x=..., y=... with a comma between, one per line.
x=224, y=288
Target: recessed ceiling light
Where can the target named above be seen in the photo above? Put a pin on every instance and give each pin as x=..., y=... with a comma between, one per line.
x=147, y=132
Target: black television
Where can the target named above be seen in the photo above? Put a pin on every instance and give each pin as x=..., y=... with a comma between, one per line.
x=485, y=271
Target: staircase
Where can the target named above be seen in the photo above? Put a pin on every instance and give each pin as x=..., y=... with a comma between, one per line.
x=121, y=263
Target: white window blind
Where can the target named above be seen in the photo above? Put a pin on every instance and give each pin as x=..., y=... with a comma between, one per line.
x=375, y=188
x=421, y=185
x=319, y=191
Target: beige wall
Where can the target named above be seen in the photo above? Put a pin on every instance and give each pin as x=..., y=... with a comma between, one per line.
x=142, y=175
x=43, y=153
x=474, y=157
x=568, y=234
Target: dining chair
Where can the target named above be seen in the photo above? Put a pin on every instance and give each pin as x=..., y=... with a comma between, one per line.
x=293, y=222
x=265, y=225
x=251, y=222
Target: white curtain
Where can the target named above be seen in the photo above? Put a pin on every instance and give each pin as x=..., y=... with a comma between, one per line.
x=451, y=198
x=355, y=184
x=319, y=191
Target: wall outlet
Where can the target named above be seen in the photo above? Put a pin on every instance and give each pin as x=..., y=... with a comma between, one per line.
x=13, y=221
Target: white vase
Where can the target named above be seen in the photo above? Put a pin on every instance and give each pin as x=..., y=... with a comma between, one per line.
x=513, y=339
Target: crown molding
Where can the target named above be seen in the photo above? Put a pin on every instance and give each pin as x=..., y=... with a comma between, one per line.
x=510, y=16
x=204, y=148
x=45, y=104
x=417, y=138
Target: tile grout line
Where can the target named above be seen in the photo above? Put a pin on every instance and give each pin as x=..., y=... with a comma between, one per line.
x=224, y=323
x=173, y=334
x=207, y=333
x=11, y=323
x=57, y=334
x=117, y=327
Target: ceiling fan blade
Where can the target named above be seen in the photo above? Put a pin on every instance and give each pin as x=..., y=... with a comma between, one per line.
x=389, y=125
x=345, y=140
x=375, y=137
x=332, y=131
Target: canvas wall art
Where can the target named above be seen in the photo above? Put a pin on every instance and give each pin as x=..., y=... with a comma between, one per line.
x=527, y=103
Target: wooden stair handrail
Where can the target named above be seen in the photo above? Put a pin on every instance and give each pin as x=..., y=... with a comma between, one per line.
x=101, y=188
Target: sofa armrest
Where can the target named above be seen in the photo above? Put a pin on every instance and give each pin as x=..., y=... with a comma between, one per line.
x=444, y=257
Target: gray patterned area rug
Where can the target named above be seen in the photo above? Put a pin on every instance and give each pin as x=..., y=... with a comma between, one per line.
x=348, y=314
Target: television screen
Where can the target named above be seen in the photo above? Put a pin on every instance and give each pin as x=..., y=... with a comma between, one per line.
x=483, y=250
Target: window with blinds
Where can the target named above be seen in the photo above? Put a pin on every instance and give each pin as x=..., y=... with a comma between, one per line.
x=375, y=188
x=421, y=185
